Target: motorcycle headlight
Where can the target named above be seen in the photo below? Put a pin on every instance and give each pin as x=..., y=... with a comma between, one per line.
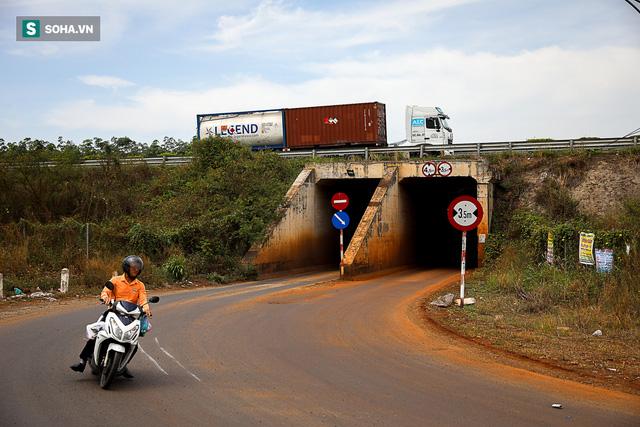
x=115, y=329
x=130, y=335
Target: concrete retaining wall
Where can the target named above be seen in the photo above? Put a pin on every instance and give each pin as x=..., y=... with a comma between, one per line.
x=290, y=241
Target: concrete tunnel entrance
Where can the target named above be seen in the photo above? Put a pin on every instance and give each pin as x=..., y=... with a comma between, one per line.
x=398, y=217
x=359, y=192
x=432, y=241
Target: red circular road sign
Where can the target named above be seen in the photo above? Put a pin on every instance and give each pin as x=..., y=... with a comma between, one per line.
x=340, y=201
x=429, y=169
x=465, y=213
x=444, y=168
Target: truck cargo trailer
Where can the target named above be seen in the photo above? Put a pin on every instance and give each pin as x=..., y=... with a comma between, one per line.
x=299, y=128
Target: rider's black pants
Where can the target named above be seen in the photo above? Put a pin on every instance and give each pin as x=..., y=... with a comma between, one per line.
x=87, y=351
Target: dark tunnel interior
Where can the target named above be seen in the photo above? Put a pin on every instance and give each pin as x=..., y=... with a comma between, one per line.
x=360, y=192
x=433, y=241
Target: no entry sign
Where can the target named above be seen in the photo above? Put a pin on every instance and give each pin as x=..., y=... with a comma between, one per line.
x=465, y=213
x=340, y=201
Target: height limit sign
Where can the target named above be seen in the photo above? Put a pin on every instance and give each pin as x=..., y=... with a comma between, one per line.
x=465, y=213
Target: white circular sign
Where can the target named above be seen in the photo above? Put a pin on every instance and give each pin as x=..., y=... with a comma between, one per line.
x=429, y=169
x=444, y=168
x=465, y=213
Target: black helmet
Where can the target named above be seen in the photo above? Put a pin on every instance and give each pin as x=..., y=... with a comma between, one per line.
x=132, y=260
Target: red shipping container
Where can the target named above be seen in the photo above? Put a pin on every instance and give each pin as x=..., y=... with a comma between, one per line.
x=336, y=125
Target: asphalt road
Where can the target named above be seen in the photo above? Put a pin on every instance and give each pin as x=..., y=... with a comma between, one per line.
x=278, y=352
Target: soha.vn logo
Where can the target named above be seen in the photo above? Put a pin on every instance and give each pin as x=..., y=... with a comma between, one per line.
x=31, y=28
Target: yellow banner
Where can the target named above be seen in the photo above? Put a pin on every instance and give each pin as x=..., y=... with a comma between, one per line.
x=586, y=248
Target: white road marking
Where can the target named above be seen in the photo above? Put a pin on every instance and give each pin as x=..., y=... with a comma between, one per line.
x=152, y=359
x=176, y=360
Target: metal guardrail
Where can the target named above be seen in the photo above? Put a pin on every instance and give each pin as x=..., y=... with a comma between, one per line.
x=151, y=161
x=477, y=148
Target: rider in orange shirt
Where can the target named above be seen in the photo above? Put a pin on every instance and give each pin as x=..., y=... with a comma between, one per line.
x=125, y=287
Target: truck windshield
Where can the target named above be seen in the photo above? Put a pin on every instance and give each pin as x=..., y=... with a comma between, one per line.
x=432, y=123
x=445, y=124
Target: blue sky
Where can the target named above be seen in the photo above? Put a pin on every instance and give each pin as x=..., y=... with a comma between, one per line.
x=503, y=70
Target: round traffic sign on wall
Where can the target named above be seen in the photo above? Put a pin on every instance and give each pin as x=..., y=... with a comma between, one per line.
x=444, y=168
x=429, y=169
x=340, y=201
x=465, y=213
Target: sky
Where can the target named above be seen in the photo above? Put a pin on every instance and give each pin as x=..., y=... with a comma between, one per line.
x=501, y=69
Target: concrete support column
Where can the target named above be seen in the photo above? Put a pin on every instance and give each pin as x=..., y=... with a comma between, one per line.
x=377, y=242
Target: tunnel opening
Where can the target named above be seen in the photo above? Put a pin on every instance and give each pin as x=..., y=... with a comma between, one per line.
x=431, y=240
x=360, y=192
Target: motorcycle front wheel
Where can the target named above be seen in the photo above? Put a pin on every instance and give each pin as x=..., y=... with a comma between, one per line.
x=109, y=371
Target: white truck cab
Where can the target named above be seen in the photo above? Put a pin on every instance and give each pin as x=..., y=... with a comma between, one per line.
x=427, y=126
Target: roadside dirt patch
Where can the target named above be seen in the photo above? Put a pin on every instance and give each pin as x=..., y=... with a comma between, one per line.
x=14, y=310
x=609, y=361
x=599, y=184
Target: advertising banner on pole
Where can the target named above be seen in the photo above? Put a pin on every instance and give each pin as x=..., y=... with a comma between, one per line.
x=586, y=248
x=604, y=260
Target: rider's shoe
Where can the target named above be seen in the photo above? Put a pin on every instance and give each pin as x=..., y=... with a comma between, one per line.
x=79, y=367
x=126, y=373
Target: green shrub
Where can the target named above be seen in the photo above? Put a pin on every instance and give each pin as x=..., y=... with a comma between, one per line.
x=144, y=239
x=556, y=200
x=175, y=268
x=215, y=277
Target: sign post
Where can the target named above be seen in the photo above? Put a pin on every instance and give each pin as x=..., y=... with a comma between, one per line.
x=464, y=213
x=340, y=221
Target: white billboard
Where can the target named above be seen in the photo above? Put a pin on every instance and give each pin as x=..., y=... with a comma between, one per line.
x=255, y=129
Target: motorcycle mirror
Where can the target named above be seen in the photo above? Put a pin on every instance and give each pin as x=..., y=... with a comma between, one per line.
x=154, y=300
x=109, y=285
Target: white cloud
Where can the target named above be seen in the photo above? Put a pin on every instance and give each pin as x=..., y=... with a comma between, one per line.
x=282, y=26
x=548, y=92
x=105, y=81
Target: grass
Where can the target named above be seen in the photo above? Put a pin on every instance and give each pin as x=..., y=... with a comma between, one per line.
x=550, y=312
x=184, y=221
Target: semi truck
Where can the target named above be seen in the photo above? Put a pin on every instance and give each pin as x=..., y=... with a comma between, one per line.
x=325, y=126
x=426, y=126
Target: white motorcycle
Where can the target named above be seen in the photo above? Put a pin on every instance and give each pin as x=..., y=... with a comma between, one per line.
x=117, y=339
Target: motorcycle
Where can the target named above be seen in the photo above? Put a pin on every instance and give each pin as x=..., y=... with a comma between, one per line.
x=117, y=338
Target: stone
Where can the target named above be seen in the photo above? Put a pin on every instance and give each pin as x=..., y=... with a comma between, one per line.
x=443, y=301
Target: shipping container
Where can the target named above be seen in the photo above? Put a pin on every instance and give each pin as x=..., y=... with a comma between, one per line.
x=336, y=125
x=258, y=129
x=299, y=128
